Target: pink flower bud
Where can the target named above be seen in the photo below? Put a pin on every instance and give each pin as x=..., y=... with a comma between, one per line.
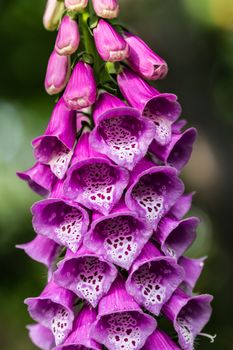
x=81, y=89
x=52, y=14
x=58, y=72
x=76, y=5
x=68, y=37
x=109, y=43
x=106, y=8
x=143, y=60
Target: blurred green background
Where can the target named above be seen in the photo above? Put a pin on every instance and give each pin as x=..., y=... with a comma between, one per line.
x=196, y=39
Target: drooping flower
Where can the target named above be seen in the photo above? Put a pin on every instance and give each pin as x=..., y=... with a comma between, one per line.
x=93, y=180
x=81, y=337
x=57, y=74
x=41, y=336
x=119, y=236
x=121, y=324
x=68, y=37
x=189, y=315
x=81, y=88
x=153, y=278
x=159, y=340
x=193, y=269
x=53, y=309
x=76, y=5
x=86, y=274
x=161, y=108
x=41, y=249
x=120, y=132
x=39, y=178
x=52, y=14
x=178, y=151
x=176, y=236
x=106, y=8
x=59, y=219
x=55, y=146
x=143, y=60
x=110, y=44
x=182, y=206
x=153, y=191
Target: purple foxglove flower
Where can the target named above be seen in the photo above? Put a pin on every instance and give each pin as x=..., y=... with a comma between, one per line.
x=110, y=45
x=182, y=206
x=57, y=74
x=86, y=274
x=119, y=236
x=55, y=146
x=52, y=14
x=81, y=89
x=178, y=126
x=178, y=151
x=106, y=8
x=41, y=336
x=162, y=109
x=68, y=37
x=41, y=249
x=143, y=60
x=94, y=180
x=53, y=309
x=175, y=236
x=76, y=5
x=193, y=269
x=121, y=324
x=120, y=132
x=39, y=178
x=153, y=278
x=189, y=315
x=153, y=191
x=81, y=337
x=61, y=220
x=159, y=340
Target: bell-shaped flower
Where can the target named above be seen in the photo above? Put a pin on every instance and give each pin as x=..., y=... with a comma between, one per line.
x=86, y=274
x=143, y=60
x=81, y=88
x=110, y=45
x=159, y=340
x=39, y=178
x=57, y=74
x=119, y=236
x=81, y=337
x=53, y=309
x=59, y=219
x=153, y=278
x=41, y=249
x=161, y=108
x=106, y=8
x=120, y=132
x=76, y=5
x=193, y=269
x=93, y=180
x=121, y=324
x=41, y=336
x=68, y=36
x=176, y=236
x=55, y=146
x=177, y=153
x=182, y=206
x=153, y=191
x=189, y=315
x=52, y=14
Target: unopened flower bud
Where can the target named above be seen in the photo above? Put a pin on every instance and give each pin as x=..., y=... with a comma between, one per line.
x=68, y=37
x=106, y=8
x=52, y=14
x=76, y=5
x=58, y=72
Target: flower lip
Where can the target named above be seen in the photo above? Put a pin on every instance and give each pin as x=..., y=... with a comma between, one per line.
x=41, y=336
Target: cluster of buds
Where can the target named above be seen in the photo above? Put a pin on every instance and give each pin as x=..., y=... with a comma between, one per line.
x=111, y=228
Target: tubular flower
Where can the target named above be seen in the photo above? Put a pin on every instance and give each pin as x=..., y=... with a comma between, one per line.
x=86, y=274
x=106, y=8
x=55, y=146
x=68, y=37
x=112, y=229
x=110, y=44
